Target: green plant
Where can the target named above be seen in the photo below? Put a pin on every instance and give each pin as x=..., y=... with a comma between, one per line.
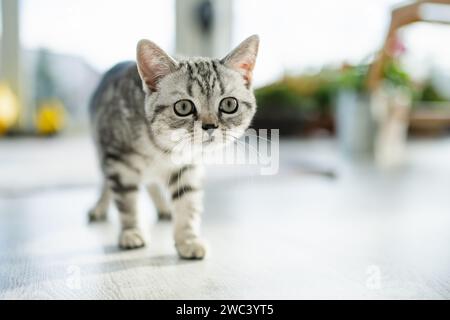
x=315, y=93
x=394, y=74
x=352, y=78
x=430, y=94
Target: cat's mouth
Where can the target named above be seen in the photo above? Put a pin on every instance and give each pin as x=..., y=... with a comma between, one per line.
x=209, y=140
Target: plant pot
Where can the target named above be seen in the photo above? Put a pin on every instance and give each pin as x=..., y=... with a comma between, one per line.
x=354, y=124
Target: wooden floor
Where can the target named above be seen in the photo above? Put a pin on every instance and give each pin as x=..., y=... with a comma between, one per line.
x=362, y=234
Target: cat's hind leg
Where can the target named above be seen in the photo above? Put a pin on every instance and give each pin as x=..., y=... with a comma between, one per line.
x=100, y=210
x=161, y=202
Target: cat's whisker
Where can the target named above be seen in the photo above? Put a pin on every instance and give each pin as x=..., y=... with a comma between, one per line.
x=242, y=144
x=252, y=135
x=259, y=137
x=247, y=143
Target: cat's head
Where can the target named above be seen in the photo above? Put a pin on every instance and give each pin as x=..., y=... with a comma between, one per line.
x=199, y=101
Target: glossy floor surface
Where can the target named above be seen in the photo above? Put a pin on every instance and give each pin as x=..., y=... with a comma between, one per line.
x=321, y=228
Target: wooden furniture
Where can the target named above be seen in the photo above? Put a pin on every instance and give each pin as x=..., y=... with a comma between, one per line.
x=433, y=11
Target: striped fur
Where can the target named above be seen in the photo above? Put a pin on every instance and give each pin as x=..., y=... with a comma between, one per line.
x=133, y=121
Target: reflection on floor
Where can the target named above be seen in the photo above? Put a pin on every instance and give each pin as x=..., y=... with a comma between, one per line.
x=321, y=228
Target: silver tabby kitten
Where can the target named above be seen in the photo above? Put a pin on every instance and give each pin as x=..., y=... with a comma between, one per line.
x=134, y=113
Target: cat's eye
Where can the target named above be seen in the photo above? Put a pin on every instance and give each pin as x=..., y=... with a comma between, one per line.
x=184, y=108
x=229, y=105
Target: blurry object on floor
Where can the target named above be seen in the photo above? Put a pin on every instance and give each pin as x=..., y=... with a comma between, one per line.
x=50, y=117
x=9, y=108
x=313, y=169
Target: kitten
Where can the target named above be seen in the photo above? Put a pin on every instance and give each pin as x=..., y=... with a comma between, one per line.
x=134, y=113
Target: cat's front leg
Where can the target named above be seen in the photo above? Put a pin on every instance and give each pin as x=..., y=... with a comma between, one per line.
x=125, y=192
x=187, y=196
x=161, y=202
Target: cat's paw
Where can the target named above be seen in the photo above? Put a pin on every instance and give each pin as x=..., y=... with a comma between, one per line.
x=131, y=239
x=192, y=249
x=164, y=216
x=97, y=215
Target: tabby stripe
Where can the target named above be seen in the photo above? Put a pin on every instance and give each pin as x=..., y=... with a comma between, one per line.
x=158, y=110
x=175, y=177
x=206, y=77
x=113, y=156
x=118, y=187
x=200, y=84
x=124, y=189
x=247, y=104
x=198, y=78
x=153, y=141
x=191, y=79
x=231, y=122
x=124, y=206
x=214, y=82
x=118, y=158
x=176, y=124
x=222, y=87
x=181, y=65
x=213, y=76
x=182, y=191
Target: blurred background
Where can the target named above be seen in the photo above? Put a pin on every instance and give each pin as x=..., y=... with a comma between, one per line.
x=359, y=89
x=54, y=53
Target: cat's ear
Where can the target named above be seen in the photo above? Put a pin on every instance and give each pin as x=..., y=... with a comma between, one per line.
x=153, y=64
x=243, y=58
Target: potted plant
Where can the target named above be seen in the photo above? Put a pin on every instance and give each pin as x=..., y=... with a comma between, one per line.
x=354, y=123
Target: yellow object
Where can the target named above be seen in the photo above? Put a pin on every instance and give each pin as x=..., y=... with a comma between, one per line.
x=50, y=117
x=9, y=108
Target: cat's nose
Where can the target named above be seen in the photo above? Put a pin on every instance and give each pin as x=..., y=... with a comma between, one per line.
x=210, y=127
